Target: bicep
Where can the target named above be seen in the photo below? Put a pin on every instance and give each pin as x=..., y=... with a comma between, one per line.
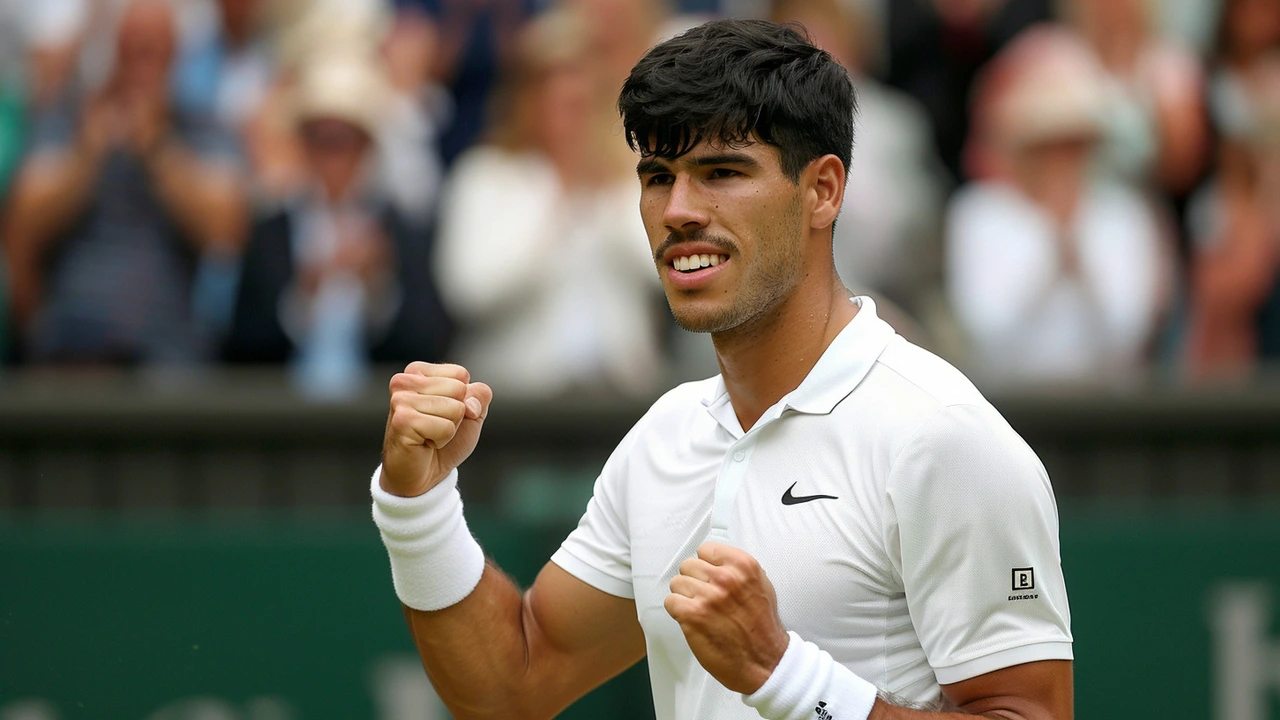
x=1033, y=690
x=579, y=636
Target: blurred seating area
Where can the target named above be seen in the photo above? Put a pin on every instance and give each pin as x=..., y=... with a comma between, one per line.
x=1048, y=193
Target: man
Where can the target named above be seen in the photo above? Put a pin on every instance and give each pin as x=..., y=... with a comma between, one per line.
x=113, y=208
x=838, y=515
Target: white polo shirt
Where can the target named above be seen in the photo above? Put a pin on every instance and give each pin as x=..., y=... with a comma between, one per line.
x=907, y=529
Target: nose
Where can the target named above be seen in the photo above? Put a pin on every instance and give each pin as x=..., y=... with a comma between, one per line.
x=686, y=208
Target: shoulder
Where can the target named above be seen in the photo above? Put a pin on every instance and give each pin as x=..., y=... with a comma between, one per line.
x=489, y=162
x=986, y=209
x=919, y=377
x=676, y=408
x=1118, y=215
x=933, y=415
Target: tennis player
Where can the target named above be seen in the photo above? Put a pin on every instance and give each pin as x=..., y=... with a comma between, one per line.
x=837, y=527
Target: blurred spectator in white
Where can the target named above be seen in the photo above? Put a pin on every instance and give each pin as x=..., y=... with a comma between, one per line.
x=338, y=279
x=888, y=235
x=935, y=49
x=120, y=194
x=543, y=257
x=1056, y=276
x=1235, y=231
x=1156, y=134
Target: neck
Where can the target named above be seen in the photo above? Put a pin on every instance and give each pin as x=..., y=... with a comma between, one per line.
x=769, y=357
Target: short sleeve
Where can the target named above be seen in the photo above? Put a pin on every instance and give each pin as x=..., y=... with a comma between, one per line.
x=972, y=527
x=598, y=551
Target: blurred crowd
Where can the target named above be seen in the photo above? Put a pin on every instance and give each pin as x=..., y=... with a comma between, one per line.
x=1047, y=192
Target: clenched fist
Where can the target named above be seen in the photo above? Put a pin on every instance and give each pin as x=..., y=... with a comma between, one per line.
x=434, y=423
x=728, y=611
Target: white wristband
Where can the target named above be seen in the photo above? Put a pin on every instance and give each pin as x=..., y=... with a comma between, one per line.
x=809, y=684
x=435, y=562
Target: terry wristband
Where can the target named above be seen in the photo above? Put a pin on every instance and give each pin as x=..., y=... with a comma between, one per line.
x=435, y=562
x=809, y=684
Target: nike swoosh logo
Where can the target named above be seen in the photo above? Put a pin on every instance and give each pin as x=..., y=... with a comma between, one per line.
x=789, y=499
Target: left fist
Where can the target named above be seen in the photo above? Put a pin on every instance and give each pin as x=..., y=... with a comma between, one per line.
x=728, y=611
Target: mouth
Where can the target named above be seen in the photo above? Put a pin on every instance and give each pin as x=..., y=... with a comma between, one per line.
x=694, y=263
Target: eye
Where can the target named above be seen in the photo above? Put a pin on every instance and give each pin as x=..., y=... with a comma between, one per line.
x=660, y=179
x=721, y=173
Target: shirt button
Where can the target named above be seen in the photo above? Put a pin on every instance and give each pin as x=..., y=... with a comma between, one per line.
x=738, y=456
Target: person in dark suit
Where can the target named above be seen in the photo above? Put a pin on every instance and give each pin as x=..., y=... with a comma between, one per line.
x=336, y=279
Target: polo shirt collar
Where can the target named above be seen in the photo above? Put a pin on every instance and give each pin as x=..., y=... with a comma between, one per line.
x=842, y=366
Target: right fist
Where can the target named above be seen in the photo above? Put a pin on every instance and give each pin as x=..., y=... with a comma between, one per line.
x=434, y=423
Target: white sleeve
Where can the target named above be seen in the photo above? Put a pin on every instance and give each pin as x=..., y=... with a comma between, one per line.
x=972, y=526
x=598, y=551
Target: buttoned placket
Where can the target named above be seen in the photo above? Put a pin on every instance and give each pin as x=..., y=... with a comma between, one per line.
x=736, y=463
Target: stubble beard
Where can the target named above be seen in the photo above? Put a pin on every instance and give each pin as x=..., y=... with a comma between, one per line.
x=775, y=272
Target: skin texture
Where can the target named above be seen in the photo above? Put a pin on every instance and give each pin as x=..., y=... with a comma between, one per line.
x=773, y=307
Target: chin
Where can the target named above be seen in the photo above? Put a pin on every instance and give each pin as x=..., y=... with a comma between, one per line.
x=704, y=320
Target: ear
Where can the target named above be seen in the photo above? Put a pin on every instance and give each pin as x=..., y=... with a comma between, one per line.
x=825, y=181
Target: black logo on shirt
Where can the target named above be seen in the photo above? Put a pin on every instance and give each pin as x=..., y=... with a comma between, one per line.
x=821, y=712
x=1024, y=579
x=789, y=499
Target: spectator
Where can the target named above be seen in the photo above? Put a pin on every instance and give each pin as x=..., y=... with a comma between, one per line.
x=410, y=165
x=407, y=166
x=1155, y=130
x=336, y=279
x=1235, y=231
x=888, y=236
x=1248, y=31
x=1056, y=276
x=936, y=48
x=115, y=203
x=226, y=69
x=543, y=257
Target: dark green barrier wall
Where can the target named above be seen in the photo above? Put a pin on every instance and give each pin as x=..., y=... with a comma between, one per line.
x=294, y=619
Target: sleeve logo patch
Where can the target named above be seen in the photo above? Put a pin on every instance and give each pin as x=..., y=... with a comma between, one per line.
x=1024, y=579
x=821, y=712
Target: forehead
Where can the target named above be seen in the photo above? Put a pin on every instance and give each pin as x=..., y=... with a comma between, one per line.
x=716, y=151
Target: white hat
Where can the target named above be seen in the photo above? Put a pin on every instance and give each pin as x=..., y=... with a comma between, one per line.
x=1055, y=90
x=351, y=89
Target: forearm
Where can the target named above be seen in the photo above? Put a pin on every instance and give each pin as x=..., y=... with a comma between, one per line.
x=808, y=677
x=478, y=652
x=51, y=191
x=1003, y=709
x=205, y=200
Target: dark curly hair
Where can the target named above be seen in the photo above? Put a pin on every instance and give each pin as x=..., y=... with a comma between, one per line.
x=735, y=81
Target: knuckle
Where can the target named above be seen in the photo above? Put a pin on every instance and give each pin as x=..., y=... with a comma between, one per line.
x=397, y=383
x=455, y=389
x=454, y=371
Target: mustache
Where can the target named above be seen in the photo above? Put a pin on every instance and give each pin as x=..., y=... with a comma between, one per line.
x=676, y=237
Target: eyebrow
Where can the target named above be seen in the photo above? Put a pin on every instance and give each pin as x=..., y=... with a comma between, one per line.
x=654, y=165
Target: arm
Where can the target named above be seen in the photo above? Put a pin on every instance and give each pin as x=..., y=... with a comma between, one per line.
x=203, y=197
x=495, y=653
x=500, y=654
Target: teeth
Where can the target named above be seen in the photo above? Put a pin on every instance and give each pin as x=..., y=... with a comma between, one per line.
x=696, y=262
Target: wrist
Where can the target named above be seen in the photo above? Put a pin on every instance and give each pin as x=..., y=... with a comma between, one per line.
x=808, y=678
x=435, y=562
